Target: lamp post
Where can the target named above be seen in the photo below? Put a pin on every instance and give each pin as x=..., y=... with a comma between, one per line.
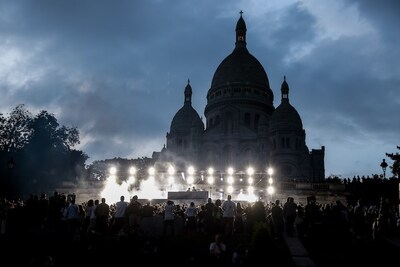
x=384, y=166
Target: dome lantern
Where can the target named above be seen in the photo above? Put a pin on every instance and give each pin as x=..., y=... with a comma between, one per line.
x=285, y=90
x=188, y=93
x=241, y=32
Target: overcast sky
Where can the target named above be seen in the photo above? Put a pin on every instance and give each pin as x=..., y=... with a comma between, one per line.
x=117, y=70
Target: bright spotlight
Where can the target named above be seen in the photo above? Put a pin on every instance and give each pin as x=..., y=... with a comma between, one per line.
x=210, y=180
x=270, y=189
x=270, y=180
x=171, y=170
x=152, y=171
x=270, y=171
x=190, y=180
x=131, y=179
x=230, y=189
x=230, y=180
x=250, y=190
x=132, y=170
x=250, y=180
x=190, y=170
x=210, y=171
x=230, y=171
x=113, y=170
x=250, y=171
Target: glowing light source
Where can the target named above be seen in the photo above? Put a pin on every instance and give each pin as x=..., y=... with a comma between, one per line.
x=270, y=190
x=210, y=179
x=210, y=171
x=250, y=171
x=250, y=180
x=190, y=170
x=113, y=170
x=230, y=180
x=270, y=180
x=190, y=180
x=171, y=180
x=270, y=171
x=171, y=170
x=230, y=189
x=250, y=190
x=152, y=171
x=230, y=171
x=131, y=179
x=132, y=170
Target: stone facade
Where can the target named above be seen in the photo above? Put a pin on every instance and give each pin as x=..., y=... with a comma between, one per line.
x=242, y=126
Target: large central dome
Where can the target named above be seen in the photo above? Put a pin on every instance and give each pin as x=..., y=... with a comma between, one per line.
x=240, y=79
x=240, y=67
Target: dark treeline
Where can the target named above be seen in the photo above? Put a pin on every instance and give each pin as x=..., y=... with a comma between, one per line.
x=37, y=155
x=395, y=168
x=36, y=152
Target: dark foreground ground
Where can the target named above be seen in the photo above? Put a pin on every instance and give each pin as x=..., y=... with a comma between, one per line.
x=98, y=250
x=342, y=251
x=33, y=247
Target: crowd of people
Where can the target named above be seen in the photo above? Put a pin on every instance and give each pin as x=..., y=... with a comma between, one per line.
x=220, y=230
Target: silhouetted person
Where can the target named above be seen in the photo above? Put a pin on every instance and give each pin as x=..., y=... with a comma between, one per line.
x=169, y=218
x=102, y=213
x=289, y=215
x=218, y=250
x=277, y=218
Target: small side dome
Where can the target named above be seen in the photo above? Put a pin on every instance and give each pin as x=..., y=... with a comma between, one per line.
x=285, y=117
x=184, y=120
x=186, y=117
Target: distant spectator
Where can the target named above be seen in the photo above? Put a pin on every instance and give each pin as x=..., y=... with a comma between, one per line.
x=218, y=249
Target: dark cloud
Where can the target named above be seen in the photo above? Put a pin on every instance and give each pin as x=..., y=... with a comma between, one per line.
x=117, y=70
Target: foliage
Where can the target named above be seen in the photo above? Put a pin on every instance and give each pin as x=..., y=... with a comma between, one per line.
x=396, y=163
x=42, y=150
x=15, y=130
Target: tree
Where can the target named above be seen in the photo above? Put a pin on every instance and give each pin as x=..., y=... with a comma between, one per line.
x=15, y=130
x=49, y=151
x=47, y=133
x=396, y=163
x=43, y=150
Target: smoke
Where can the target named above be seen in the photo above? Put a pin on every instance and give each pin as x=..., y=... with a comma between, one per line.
x=150, y=188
